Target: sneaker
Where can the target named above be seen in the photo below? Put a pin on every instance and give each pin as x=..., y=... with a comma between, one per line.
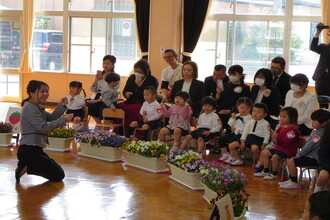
x=261, y=174
x=229, y=160
x=290, y=185
x=224, y=157
x=285, y=182
x=237, y=163
x=271, y=177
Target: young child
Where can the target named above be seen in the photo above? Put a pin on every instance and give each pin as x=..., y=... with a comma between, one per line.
x=236, y=123
x=317, y=206
x=208, y=125
x=324, y=159
x=308, y=154
x=256, y=132
x=35, y=125
x=76, y=103
x=179, y=124
x=286, y=141
x=151, y=112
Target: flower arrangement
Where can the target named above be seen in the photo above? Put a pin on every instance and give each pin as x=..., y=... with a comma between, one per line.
x=5, y=127
x=224, y=180
x=189, y=161
x=62, y=133
x=101, y=138
x=155, y=149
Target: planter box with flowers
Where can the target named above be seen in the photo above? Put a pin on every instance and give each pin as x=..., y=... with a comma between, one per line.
x=60, y=139
x=185, y=168
x=102, y=145
x=146, y=155
x=219, y=181
x=5, y=134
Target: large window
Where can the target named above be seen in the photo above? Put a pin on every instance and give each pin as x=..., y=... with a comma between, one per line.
x=74, y=37
x=251, y=33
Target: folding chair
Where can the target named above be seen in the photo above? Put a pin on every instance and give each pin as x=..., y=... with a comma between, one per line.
x=85, y=119
x=112, y=113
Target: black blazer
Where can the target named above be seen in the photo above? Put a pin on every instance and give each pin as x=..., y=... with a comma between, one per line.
x=283, y=85
x=324, y=61
x=229, y=97
x=211, y=86
x=272, y=101
x=196, y=93
x=138, y=90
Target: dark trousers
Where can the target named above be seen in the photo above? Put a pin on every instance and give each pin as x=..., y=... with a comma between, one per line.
x=39, y=163
x=322, y=87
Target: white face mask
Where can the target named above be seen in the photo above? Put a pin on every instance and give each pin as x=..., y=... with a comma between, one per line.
x=139, y=75
x=295, y=88
x=259, y=82
x=233, y=79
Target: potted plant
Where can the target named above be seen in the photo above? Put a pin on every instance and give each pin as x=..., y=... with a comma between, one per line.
x=100, y=144
x=219, y=181
x=60, y=139
x=5, y=134
x=146, y=155
x=185, y=167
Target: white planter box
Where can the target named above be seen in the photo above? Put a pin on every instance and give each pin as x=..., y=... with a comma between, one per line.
x=100, y=152
x=190, y=180
x=154, y=165
x=5, y=139
x=59, y=144
x=209, y=194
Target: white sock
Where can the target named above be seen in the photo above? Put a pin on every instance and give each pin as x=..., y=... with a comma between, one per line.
x=75, y=126
x=318, y=188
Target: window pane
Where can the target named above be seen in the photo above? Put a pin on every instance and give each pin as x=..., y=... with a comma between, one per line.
x=123, y=44
x=123, y=6
x=47, y=5
x=302, y=59
x=307, y=7
x=9, y=85
x=47, y=43
x=11, y=5
x=256, y=43
x=9, y=44
x=222, y=6
x=265, y=7
x=88, y=5
x=99, y=43
x=80, y=50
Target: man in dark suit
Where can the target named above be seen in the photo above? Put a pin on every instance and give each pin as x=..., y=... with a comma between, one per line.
x=214, y=84
x=321, y=75
x=281, y=78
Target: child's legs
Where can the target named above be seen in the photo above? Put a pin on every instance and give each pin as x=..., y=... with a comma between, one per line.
x=145, y=127
x=322, y=178
x=134, y=124
x=76, y=119
x=275, y=162
x=233, y=150
x=292, y=167
x=162, y=133
x=185, y=141
x=201, y=144
x=177, y=133
x=256, y=151
x=266, y=155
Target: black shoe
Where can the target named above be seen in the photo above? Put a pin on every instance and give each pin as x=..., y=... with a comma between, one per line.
x=18, y=172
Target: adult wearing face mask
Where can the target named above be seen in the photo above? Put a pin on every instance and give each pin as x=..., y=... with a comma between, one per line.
x=281, y=79
x=322, y=72
x=303, y=100
x=263, y=91
x=133, y=91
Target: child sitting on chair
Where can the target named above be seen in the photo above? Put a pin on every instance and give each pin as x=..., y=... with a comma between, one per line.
x=151, y=112
x=286, y=141
x=179, y=124
x=208, y=125
x=76, y=103
x=256, y=133
x=237, y=123
x=308, y=154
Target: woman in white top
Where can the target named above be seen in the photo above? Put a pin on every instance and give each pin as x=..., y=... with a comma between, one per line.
x=303, y=100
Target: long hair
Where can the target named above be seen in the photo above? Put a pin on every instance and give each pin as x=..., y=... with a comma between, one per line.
x=33, y=86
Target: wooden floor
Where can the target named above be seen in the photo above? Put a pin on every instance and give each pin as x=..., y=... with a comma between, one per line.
x=94, y=189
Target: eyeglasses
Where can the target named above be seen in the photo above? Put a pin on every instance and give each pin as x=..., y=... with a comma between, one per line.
x=168, y=57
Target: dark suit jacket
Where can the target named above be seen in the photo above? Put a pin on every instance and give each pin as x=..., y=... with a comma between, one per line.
x=283, y=85
x=138, y=90
x=272, y=101
x=324, y=61
x=196, y=93
x=229, y=97
x=211, y=86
